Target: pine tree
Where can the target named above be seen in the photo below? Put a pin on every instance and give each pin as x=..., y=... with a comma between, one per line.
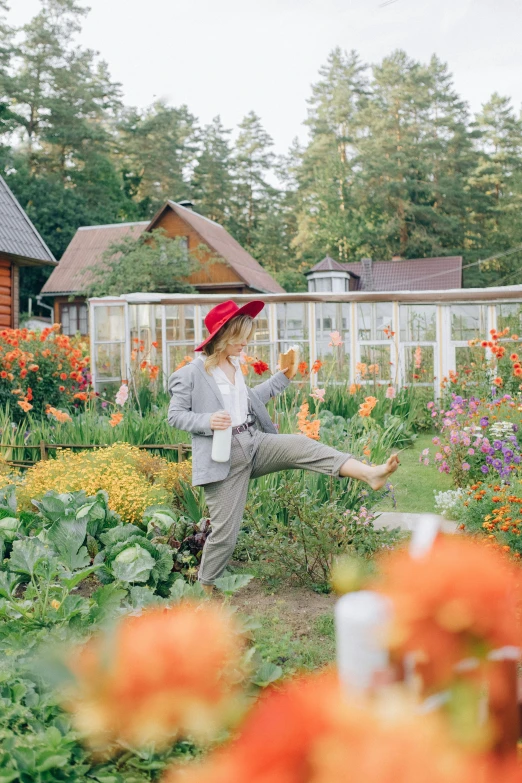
x=253, y=194
x=497, y=181
x=158, y=150
x=327, y=178
x=212, y=180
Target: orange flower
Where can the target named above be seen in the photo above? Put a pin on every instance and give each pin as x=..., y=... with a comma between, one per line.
x=116, y=418
x=23, y=373
x=308, y=426
x=63, y=376
x=353, y=388
x=306, y=731
x=316, y=366
x=25, y=406
x=514, y=357
x=61, y=388
x=3, y=374
x=59, y=415
x=514, y=336
x=302, y=368
x=458, y=601
x=498, y=381
x=154, y=344
x=82, y=396
x=367, y=406
x=170, y=671
x=34, y=367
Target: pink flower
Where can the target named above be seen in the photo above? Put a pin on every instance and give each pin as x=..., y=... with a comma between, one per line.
x=466, y=466
x=447, y=450
x=430, y=405
x=122, y=395
x=425, y=452
x=438, y=456
x=336, y=339
x=471, y=452
x=390, y=393
x=318, y=394
x=426, y=462
x=435, y=441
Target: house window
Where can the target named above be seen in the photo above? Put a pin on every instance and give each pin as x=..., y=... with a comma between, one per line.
x=74, y=318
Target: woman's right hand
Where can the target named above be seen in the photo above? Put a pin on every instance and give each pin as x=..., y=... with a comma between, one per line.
x=220, y=420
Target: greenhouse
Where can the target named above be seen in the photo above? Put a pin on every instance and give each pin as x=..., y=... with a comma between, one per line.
x=401, y=338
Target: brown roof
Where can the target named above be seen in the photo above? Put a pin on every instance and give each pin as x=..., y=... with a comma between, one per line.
x=85, y=249
x=90, y=242
x=221, y=242
x=413, y=274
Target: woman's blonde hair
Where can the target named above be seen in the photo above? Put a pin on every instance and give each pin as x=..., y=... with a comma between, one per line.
x=238, y=329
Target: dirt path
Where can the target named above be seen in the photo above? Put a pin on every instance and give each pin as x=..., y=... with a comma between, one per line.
x=296, y=607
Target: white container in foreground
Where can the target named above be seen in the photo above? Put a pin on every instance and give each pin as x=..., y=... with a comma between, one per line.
x=222, y=439
x=360, y=619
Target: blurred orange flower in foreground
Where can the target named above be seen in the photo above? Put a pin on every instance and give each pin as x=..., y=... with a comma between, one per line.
x=170, y=672
x=458, y=601
x=307, y=732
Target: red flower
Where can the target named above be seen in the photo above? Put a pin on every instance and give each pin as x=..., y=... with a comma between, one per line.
x=260, y=367
x=3, y=374
x=63, y=376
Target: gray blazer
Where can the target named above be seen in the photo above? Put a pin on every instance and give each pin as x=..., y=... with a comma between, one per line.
x=194, y=396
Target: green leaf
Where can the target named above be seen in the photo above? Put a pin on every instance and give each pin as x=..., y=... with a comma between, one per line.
x=266, y=674
x=26, y=554
x=181, y=590
x=141, y=597
x=107, y=600
x=67, y=538
x=52, y=506
x=79, y=576
x=231, y=584
x=7, y=775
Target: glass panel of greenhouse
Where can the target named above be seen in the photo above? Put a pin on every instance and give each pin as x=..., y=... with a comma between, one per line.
x=399, y=338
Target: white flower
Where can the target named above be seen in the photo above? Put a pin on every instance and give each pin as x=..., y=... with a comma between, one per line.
x=122, y=395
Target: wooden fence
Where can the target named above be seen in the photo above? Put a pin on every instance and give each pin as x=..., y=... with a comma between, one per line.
x=182, y=449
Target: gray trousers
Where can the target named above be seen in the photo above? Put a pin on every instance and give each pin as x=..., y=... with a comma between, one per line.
x=255, y=454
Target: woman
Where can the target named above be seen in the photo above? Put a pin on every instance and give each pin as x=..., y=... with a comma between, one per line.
x=197, y=406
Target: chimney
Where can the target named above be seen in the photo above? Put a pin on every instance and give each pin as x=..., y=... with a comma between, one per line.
x=367, y=274
x=397, y=258
x=187, y=204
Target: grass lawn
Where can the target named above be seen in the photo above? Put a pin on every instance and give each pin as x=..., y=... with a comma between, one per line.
x=414, y=483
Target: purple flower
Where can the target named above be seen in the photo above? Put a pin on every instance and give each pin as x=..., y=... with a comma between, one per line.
x=104, y=404
x=516, y=459
x=484, y=469
x=484, y=422
x=507, y=453
x=497, y=445
x=497, y=464
x=515, y=427
x=489, y=460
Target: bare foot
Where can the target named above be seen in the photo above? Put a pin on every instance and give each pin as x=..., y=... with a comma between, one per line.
x=379, y=474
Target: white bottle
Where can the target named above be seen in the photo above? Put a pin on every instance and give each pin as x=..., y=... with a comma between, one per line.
x=222, y=439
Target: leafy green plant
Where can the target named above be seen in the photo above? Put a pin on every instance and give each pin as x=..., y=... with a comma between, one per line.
x=293, y=531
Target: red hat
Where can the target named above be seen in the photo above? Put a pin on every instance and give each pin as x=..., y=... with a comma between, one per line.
x=222, y=313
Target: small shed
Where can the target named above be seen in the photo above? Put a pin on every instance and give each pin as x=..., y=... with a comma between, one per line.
x=20, y=245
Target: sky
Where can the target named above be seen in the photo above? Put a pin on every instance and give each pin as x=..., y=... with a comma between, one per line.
x=229, y=57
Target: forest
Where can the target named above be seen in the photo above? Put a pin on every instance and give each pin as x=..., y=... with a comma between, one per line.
x=394, y=161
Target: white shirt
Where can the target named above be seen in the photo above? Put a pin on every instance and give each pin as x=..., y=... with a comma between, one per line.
x=236, y=401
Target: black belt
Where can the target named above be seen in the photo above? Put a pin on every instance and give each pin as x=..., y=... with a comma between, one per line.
x=242, y=427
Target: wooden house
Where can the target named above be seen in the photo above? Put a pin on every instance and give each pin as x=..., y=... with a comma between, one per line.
x=228, y=269
x=20, y=245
